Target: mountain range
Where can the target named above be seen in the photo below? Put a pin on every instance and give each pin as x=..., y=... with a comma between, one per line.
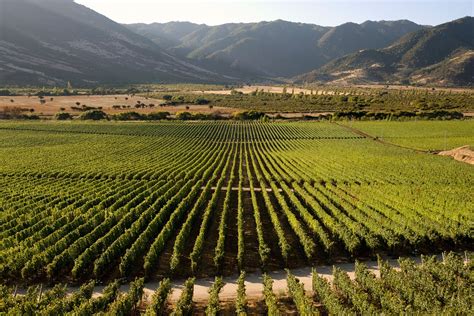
x=442, y=55
x=51, y=42
x=272, y=49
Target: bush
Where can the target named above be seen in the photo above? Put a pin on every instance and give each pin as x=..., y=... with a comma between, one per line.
x=202, y=101
x=63, y=116
x=184, y=116
x=5, y=93
x=16, y=113
x=129, y=116
x=95, y=115
x=156, y=116
x=249, y=115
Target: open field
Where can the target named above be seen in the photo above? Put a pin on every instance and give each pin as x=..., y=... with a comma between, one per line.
x=108, y=200
x=127, y=103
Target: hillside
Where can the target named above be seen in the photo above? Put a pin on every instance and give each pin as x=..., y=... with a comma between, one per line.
x=50, y=42
x=442, y=55
x=272, y=49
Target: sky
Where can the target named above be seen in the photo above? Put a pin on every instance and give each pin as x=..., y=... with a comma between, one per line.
x=321, y=12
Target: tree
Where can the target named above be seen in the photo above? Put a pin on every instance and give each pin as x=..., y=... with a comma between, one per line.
x=158, y=116
x=63, y=116
x=202, y=101
x=184, y=116
x=94, y=115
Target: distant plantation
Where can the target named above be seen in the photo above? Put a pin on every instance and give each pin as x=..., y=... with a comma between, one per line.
x=333, y=99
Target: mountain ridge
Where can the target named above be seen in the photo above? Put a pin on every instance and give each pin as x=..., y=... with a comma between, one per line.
x=420, y=57
x=54, y=41
x=294, y=47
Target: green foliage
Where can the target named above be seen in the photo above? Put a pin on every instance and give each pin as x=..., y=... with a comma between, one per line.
x=202, y=101
x=158, y=300
x=248, y=115
x=184, y=306
x=241, y=301
x=303, y=303
x=213, y=307
x=269, y=295
x=85, y=198
x=184, y=116
x=401, y=115
x=135, y=116
x=339, y=99
x=126, y=304
x=63, y=116
x=94, y=115
x=5, y=92
x=427, y=135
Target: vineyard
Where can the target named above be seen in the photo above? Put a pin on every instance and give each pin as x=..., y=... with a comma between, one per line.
x=432, y=287
x=424, y=135
x=103, y=201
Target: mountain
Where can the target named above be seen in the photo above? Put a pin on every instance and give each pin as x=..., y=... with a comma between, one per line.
x=51, y=42
x=441, y=55
x=166, y=35
x=271, y=49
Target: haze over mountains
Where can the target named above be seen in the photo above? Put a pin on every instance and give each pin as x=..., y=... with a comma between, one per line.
x=50, y=42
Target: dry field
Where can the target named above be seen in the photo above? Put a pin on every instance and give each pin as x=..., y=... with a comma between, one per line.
x=57, y=104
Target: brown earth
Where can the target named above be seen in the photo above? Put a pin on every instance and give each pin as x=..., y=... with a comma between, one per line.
x=54, y=104
x=464, y=154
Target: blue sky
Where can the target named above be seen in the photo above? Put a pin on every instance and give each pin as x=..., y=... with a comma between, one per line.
x=322, y=12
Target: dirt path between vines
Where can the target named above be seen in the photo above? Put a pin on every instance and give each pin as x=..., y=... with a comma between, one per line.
x=254, y=282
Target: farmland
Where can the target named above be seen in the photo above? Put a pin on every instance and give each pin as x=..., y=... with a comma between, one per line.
x=445, y=289
x=223, y=101
x=424, y=135
x=85, y=201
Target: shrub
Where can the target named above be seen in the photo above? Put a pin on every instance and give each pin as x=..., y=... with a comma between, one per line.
x=5, y=93
x=155, y=116
x=95, y=115
x=202, y=101
x=184, y=116
x=249, y=115
x=129, y=116
x=63, y=116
